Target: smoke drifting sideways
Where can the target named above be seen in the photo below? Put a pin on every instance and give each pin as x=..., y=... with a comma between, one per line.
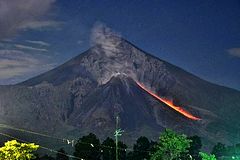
x=105, y=37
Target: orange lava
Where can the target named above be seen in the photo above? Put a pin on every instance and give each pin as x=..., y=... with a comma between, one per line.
x=170, y=104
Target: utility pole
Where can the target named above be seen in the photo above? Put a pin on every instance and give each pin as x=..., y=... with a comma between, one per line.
x=118, y=133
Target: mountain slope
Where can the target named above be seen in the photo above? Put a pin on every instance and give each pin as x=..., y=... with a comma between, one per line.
x=87, y=92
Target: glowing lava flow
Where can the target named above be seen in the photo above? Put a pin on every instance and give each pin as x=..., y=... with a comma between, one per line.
x=170, y=104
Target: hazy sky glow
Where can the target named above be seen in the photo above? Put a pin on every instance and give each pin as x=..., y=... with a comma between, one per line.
x=202, y=37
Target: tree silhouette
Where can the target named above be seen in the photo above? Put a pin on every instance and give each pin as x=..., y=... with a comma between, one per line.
x=218, y=150
x=141, y=149
x=195, y=147
x=122, y=153
x=108, y=148
x=88, y=147
x=61, y=155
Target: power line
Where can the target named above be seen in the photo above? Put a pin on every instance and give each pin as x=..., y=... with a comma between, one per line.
x=43, y=147
x=66, y=140
x=23, y=130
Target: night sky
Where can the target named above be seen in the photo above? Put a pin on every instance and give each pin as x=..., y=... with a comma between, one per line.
x=202, y=37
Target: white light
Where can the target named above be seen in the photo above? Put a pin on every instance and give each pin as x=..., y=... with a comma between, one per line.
x=92, y=145
x=68, y=141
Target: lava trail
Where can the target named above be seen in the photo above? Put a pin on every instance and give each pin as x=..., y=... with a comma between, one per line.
x=169, y=103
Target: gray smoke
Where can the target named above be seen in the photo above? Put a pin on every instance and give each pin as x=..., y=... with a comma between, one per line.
x=106, y=38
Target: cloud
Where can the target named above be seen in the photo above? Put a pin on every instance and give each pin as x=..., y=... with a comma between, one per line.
x=106, y=38
x=234, y=52
x=19, y=46
x=31, y=47
x=16, y=15
x=39, y=25
x=41, y=43
x=16, y=65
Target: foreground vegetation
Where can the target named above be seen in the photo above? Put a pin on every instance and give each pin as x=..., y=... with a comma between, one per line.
x=170, y=146
x=13, y=150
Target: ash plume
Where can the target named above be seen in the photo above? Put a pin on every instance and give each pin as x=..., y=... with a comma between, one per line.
x=106, y=38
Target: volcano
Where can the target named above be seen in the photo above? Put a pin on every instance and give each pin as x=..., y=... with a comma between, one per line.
x=112, y=78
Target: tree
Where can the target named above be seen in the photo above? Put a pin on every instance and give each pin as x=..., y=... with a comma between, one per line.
x=194, y=149
x=108, y=148
x=130, y=156
x=206, y=156
x=88, y=147
x=195, y=146
x=153, y=145
x=141, y=149
x=13, y=150
x=122, y=154
x=218, y=150
x=171, y=145
x=61, y=155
